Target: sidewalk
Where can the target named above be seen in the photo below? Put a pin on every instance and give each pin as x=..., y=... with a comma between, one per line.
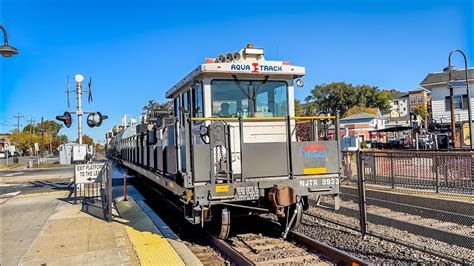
x=44, y=229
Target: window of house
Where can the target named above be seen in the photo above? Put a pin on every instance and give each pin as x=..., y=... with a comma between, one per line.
x=404, y=108
x=413, y=99
x=420, y=98
x=460, y=102
x=395, y=102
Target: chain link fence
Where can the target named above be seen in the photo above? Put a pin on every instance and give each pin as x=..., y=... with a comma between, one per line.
x=416, y=198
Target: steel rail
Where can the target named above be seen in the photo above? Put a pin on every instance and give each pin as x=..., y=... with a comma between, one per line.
x=331, y=252
x=228, y=250
x=220, y=244
x=388, y=239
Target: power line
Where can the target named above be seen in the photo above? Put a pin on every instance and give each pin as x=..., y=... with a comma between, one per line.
x=18, y=117
x=31, y=124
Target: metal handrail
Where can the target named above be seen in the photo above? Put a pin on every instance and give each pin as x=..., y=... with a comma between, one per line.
x=280, y=118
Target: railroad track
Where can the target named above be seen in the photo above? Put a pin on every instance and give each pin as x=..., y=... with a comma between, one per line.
x=389, y=238
x=258, y=249
x=255, y=248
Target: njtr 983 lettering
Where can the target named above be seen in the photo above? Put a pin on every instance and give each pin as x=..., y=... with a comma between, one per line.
x=319, y=182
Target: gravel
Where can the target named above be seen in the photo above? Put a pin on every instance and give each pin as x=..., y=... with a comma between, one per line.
x=371, y=248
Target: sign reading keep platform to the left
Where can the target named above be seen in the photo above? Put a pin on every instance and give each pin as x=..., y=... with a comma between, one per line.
x=87, y=173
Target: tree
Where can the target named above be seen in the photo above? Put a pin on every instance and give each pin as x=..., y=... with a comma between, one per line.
x=51, y=126
x=421, y=111
x=298, y=108
x=62, y=139
x=341, y=96
x=86, y=140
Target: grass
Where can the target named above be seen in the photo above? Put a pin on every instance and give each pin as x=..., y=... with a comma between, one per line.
x=10, y=166
x=48, y=165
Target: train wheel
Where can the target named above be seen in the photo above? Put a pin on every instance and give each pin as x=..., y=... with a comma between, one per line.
x=220, y=224
x=225, y=224
x=289, y=212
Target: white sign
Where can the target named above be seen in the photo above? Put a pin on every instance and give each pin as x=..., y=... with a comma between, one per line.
x=87, y=173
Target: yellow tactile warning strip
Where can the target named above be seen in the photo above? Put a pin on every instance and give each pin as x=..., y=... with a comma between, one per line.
x=149, y=244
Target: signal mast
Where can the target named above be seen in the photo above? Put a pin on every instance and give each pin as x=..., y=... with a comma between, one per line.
x=94, y=119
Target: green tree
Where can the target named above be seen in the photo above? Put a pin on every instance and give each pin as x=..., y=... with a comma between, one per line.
x=51, y=126
x=421, y=111
x=341, y=96
x=298, y=108
x=62, y=139
x=86, y=140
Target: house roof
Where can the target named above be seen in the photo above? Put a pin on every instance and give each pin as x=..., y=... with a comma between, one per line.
x=399, y=95
x=441, y=78
x=401, y=118
x=361, y=115
x=418, y=90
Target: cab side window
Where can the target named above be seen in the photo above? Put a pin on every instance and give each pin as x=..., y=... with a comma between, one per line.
x=198, y=110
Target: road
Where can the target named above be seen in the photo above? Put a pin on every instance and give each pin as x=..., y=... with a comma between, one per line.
x=36, y=180
x=35, y=171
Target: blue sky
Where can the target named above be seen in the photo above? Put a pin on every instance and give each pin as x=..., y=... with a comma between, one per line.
x=135, y=49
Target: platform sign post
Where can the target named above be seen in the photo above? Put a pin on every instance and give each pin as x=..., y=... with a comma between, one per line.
x=85, y=174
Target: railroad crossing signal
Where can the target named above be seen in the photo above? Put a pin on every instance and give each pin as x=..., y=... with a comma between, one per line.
x=95, y=119
x=65, y=118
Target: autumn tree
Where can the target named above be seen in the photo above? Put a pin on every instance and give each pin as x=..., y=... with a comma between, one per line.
x=86, y=140
x=338, y=97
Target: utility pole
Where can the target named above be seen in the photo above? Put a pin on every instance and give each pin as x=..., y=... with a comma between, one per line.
x=18, y=117
x=31, y=125
x=42, y=138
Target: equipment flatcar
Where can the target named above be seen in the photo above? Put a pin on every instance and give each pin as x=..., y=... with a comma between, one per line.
x=229, y=144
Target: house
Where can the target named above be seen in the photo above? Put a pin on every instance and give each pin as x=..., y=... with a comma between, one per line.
x=440, y=103
x=399, y=103
x=4, y=141
x=419, y=97
x=361, y=123
x=437, y=83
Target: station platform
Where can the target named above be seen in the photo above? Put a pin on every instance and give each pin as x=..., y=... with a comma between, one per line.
x=47, y=229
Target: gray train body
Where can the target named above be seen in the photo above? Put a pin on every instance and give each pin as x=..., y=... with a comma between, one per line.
x=229, y=145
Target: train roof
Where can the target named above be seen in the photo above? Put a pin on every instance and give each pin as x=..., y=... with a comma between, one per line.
x=247, y=61
x=129, y=131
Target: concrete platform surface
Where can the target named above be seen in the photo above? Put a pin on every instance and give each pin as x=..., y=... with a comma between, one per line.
x=44, y=229
x=153, y=241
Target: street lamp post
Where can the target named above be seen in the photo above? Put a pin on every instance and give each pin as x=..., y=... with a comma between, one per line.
x=451, y=68
x=5, y=49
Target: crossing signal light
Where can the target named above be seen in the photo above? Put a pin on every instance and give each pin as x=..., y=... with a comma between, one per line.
x=65, y=118
x=95, y=119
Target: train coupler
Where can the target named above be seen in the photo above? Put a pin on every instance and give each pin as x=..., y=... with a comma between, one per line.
x=281, y=196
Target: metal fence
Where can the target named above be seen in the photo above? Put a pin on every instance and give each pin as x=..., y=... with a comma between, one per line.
x=18, y=160
x=100, y=190
x=416, y=198
x=427, y=170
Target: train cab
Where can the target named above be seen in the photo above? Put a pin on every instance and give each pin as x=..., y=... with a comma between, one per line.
x=236, y=112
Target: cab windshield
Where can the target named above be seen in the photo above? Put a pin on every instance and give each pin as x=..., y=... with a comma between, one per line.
x=249, y=98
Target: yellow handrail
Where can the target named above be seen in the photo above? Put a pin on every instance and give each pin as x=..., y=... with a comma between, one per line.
x=261, y=118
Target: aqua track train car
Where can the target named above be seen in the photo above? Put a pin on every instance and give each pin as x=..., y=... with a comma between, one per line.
x=229, y=144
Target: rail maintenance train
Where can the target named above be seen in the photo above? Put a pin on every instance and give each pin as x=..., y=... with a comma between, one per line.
x=229, y=144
